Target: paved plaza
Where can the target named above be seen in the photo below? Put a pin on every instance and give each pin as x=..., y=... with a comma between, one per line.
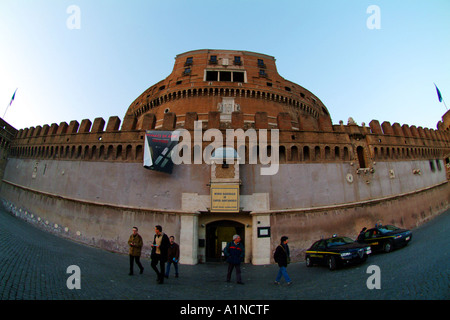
x=34, y=267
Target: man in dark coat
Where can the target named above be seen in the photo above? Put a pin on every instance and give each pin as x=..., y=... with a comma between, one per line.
x=281, y=256
x=234, y=253
x=173, y=256
x=135, y=242
x=160, y=249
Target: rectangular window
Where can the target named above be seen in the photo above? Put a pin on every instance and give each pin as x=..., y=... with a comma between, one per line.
x=237, y=60
x=261, y=63
x=225, y=76
x=213, y=60
x=231, y=76
x=189, y=61
x=212, y=75
x=238, y=77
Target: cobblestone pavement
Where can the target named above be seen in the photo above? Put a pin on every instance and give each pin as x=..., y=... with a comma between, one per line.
x=34, y=267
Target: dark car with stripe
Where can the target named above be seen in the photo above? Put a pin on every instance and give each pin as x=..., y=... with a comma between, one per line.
x=385, y=238
x=336, y=251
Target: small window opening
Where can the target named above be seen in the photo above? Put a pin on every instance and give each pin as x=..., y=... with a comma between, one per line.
x=362, y=161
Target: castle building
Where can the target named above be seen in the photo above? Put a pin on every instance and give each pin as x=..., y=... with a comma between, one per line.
x=88, y=181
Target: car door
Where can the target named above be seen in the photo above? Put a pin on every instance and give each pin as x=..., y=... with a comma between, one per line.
x=321, y=256
x=314, y=254
x=372, y=237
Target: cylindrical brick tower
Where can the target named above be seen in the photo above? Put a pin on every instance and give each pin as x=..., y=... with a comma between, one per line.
x=226, y=81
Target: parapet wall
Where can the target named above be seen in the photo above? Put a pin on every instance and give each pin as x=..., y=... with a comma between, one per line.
x=310, y=140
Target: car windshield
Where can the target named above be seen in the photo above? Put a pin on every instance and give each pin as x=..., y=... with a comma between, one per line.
x=332, y=242
x=388, y=228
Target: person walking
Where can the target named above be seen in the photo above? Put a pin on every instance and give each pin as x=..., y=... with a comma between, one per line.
x=234, y=253
x=135, y=242
x=173, y=256
x=282, y=257
x=160, y=248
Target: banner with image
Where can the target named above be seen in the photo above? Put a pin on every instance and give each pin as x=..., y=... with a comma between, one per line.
x=158, y=150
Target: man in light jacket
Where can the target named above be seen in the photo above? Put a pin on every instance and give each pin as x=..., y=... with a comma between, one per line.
x=135, y=242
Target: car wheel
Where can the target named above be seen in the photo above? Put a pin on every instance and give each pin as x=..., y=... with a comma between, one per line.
x=308, y=262
x=388, y=246
x=331, y=263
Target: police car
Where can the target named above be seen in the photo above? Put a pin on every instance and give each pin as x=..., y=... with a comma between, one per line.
x=336, y=251
x=385, y=238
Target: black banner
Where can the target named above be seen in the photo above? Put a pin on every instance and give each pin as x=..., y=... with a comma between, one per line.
x=158, y=150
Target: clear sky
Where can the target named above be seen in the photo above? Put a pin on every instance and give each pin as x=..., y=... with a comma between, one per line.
x=123, y=47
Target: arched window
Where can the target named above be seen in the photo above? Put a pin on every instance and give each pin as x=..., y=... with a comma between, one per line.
x=346, y=154
x=361, y=159
x=294, y=154
x=282, y=156
x=128, y=153
x=317, y=153
x=337, y=153
x=306, y=153
x=327, y=153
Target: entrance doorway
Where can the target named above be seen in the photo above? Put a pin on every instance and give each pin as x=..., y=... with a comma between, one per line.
x=218, y=234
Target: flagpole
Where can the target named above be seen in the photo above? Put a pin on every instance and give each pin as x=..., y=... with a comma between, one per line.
x=6, y=110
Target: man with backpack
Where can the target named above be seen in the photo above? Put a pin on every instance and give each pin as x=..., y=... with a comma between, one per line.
x=281, y=256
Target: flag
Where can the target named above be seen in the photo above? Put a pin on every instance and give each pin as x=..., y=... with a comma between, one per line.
x=12, y=99
x=438, y=93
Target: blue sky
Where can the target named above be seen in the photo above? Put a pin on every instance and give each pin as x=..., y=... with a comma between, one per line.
x=124, y=47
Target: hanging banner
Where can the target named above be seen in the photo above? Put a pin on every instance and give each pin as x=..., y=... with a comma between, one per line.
x=158, y=150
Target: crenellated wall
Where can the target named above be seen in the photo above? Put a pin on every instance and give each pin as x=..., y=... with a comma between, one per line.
x=312, y=141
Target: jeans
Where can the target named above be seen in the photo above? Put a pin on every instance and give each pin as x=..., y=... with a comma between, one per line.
x=283, y=272
x=168, y=267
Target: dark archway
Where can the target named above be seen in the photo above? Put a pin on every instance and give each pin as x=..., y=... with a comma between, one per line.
x=218, y=234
